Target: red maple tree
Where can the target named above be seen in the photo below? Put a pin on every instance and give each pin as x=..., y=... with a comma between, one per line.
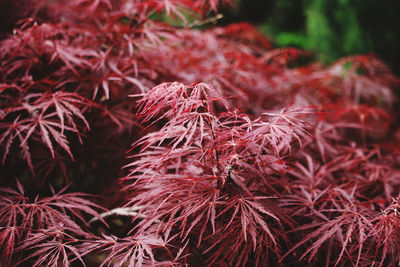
x=239, y=154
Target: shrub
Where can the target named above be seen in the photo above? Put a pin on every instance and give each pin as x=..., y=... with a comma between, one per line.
x=238, y=154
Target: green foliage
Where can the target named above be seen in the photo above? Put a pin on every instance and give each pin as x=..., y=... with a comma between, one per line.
x=333, y=29
x=330, y=28
x=318, y=29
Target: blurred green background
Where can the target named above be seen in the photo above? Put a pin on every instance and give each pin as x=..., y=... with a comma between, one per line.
x=330, y=28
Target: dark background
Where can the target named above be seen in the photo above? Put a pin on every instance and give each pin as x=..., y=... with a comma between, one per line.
x=330, y=28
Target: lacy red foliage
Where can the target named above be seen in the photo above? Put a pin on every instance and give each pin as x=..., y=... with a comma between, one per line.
x=239, y=154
